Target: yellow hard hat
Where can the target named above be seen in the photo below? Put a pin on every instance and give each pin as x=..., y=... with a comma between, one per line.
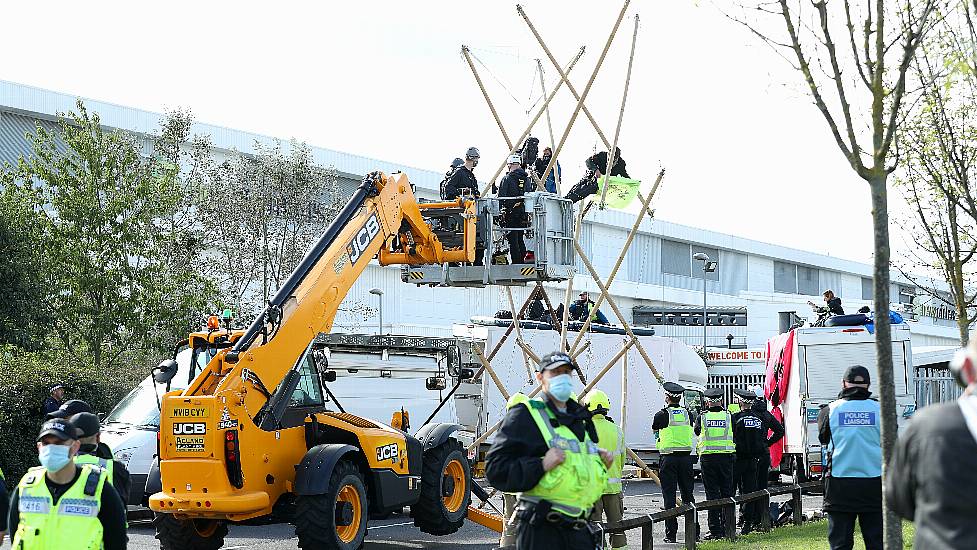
x=598, y=398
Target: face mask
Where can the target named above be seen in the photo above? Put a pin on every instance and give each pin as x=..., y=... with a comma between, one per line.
x=560, y=387
x=54, y=457
x=474, y=163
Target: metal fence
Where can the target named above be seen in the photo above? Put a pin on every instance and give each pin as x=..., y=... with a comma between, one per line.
x=934, y=387
x=729, y=382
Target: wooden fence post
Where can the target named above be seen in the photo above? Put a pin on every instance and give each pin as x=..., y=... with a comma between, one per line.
x=648, y=536
x=691, y=529
x=796, y=501
x=765, y=522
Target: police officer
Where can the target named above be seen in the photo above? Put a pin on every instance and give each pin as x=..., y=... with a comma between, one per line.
x=546, y=451
x=89, y=435
x=73, y=407
x=53, y=401
x=673, y=429
x=512, y=189
x=850, y=428
x=462, y=180
x=717, y=452
x=750, y=428
x=763, y=459
x=61, y=504
x=611, y=437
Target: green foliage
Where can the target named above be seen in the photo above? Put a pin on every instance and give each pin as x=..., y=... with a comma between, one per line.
x=21, y=320
x=25, y=378
x=118, y=240
x=262, y=212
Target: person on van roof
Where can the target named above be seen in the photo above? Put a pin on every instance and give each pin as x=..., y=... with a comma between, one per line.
x=832, y=304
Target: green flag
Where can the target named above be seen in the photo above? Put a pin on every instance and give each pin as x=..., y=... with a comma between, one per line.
x=620, y=191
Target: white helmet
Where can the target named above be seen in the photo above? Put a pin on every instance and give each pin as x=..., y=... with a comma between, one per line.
x=515, y=159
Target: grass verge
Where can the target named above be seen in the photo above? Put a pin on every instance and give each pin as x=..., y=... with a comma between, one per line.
x=809, y=536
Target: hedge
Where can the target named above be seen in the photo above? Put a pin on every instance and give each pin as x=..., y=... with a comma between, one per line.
x=25, y=380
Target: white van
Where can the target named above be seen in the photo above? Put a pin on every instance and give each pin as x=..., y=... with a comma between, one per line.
x=820, y=358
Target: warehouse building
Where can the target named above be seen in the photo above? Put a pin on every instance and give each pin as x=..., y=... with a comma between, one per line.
x=756, y=290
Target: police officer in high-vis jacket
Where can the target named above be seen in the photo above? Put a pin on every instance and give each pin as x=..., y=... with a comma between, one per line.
x=673, y=427
x=546, y=451
x=611, y=437
x=60, y=504
x=851, y=427
x=717, y=452
x=89, y=435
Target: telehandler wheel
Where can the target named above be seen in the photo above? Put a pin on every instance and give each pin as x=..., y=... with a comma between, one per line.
x=446, y=489
x=189, y=534
x=335, y=520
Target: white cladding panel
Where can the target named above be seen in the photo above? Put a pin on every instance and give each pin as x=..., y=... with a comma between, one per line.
x=826, y=365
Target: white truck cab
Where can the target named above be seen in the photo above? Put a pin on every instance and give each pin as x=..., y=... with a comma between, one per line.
x=820, y=358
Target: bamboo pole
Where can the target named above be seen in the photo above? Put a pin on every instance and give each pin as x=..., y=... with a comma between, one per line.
x=587, y=88
x=611, y=153
x=549, y=124
x=515, y=323
x=509, y=330
x=644, y=466
x=606, y=369
x=573, y=91
x=624, y=323
x=495, y=377
x=525, y=348
x=465, y=51
x=620, y=258
x=580, y=351
x=532, y=123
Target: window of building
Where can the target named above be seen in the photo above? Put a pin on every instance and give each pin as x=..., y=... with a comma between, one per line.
x=784, y=277
x=676, y=258
x=906, y=294
x=868, y=290
x=808, y=281
x=713, y=254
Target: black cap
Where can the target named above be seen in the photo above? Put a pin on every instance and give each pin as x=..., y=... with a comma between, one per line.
x=857, y=374
x=87, y=424
x=745, y=395
x=58, y=427
x=673, y=389
x=56, y=387
x=553, y=360
x=70, y=408
x=713, y=394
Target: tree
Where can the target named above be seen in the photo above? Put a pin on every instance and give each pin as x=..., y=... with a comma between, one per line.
x=939, y=143
x=263, y=212
x=860, y=91
x=115, y=235
x=21, y=320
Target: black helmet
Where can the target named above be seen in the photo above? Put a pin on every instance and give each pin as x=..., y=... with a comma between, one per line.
x=472, y=153
x=456, y=163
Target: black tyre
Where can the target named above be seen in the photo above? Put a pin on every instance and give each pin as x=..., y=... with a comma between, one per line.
x=446, y=490
x=335, y=520
x=189, y=534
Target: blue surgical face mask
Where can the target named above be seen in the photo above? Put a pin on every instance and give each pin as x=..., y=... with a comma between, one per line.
x=560, y=387
x=54, y=457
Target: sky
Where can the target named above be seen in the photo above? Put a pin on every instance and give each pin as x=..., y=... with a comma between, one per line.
x=745, y=151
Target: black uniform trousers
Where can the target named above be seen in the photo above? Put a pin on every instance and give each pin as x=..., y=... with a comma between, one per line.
x=841, y=529
x=675, y=471
x=717, y=476
x=547, y=536
x=746, y=475
x=762, y=482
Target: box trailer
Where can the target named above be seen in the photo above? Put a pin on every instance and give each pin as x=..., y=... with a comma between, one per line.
x=808, y=366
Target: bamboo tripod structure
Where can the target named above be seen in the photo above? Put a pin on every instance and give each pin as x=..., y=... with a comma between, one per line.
x=579, y=345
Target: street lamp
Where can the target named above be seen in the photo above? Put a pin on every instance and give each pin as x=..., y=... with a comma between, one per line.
x=379, y=295
x=708, y=266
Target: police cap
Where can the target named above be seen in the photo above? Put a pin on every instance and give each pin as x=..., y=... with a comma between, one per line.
x=87, y=424
x=70, y=408
x=59, y=428
x=673, y=389
x=555, y=359
x=713, y=394
x=745, y=395
x=857, y=374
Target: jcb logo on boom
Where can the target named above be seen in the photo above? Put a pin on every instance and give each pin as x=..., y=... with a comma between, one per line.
x=361, y=241
x=387, y=452
x=189, y=428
